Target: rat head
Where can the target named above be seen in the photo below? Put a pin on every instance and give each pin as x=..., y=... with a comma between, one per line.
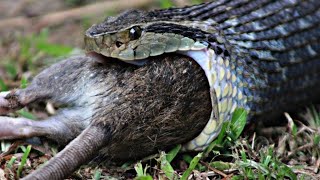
x=135, y=35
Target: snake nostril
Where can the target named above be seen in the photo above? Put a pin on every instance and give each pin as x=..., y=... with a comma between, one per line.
x=118, y=44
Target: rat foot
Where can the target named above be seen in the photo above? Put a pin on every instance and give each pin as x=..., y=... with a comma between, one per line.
x=17, y=128
x=62, y=128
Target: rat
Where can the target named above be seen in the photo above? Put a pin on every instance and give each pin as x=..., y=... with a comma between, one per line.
x=120, y=110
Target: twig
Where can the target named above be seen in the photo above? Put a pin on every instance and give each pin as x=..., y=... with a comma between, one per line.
x=301, y=148
x=316, y=168
x=75, y=14
x=214, y=169
x=303, y=171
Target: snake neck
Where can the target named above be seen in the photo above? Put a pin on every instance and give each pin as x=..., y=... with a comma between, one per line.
x=274, y=48
x=225, y=90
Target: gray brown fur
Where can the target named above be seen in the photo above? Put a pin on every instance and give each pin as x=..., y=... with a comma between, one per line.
x=156, y=106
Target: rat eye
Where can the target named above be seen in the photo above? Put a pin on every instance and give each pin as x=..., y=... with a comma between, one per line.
x=118, y=44
x=134, y=33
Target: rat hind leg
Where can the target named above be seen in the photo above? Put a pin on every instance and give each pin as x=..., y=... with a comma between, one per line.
x=55, y=128
x=62, y=127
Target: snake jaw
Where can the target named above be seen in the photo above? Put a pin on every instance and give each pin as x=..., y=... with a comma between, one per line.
x=149, y=44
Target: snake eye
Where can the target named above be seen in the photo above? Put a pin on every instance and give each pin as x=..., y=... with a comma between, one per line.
x=134, y=33
x=118, y=43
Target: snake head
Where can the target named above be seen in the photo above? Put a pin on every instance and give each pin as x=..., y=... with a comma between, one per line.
x=136, y=35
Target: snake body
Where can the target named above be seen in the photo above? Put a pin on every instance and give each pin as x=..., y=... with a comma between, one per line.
x=260, y=55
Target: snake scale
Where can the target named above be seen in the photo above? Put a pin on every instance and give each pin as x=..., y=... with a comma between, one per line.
x=260, y=55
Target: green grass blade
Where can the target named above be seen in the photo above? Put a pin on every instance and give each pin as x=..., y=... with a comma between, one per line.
x=26, y=114
x=220, y=165
x=5, y=146
x=23, y=83
x=55, y=50
x=238, y=122
x=24, y=160
x=217, y=141
x=316, y=139
x=267, y=160
x=10, y=163
x=141, y=172
x=287, y=171
x=166, y=3
x=97, y=174
x=173, y=153
x=192, y=166
x=144, y=178
x=11, y=69
x=139, y=169
x=166, y=167
x=3, y=86
x=196, y=1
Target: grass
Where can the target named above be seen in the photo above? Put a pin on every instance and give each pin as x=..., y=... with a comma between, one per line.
x=3, y=86
x=26, y=152
x=230, y=131
x=97, y=174
x=166, y=3
x=236, y=157
x=142, y=172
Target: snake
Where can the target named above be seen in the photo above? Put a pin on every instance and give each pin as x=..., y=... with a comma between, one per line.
x=259, y=55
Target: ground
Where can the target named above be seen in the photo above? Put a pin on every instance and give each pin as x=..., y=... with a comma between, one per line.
x=35, y=34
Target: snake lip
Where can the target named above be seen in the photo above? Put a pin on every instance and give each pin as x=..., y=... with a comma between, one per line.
x=95, y=54
x=100, y=58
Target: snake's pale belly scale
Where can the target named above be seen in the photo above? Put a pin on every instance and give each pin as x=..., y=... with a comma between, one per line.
x=225, y=94
x=260, y=55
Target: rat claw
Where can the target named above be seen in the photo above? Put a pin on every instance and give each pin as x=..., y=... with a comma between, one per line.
x=11, y=101
x=4, y=103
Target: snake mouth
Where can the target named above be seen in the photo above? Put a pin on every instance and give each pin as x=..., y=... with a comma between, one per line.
x=103, y=59
x=97, y=56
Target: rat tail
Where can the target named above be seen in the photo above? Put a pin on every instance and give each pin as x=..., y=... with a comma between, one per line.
x=75, y=154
